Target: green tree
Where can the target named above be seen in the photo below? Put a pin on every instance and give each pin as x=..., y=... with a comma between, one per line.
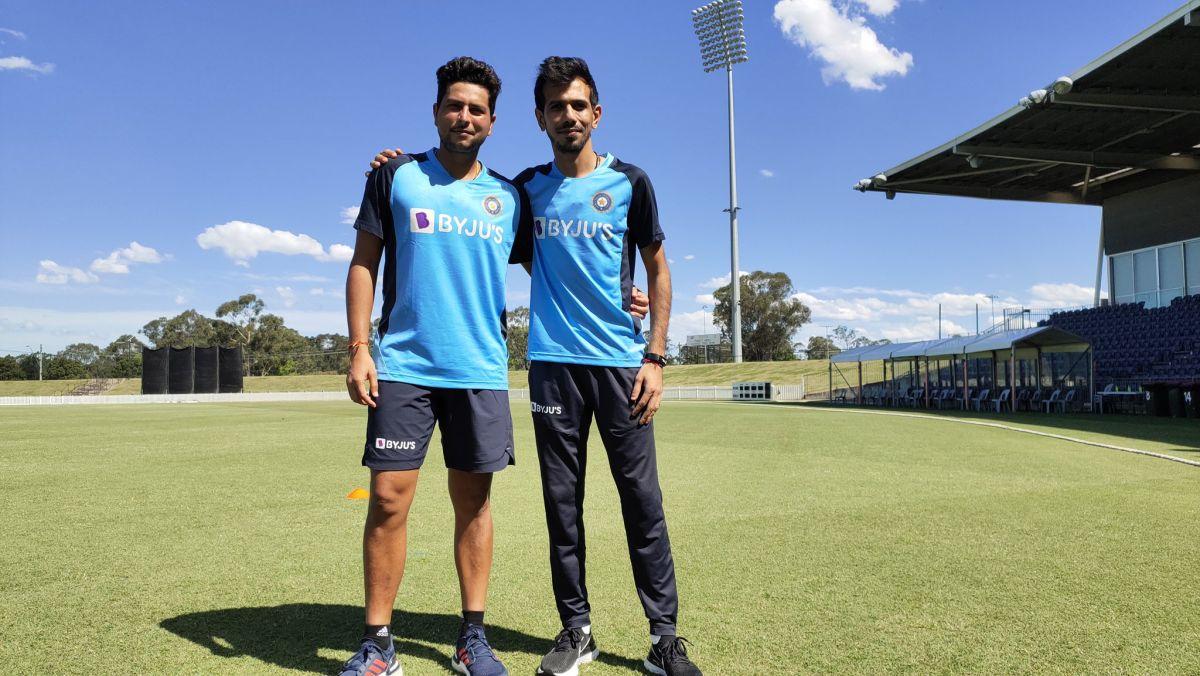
x=29, y=366
x=64, y=368
x=333, y=348
x=770, y=315
x=275, y=349
x=820, y=347
x=184, y=329
x=122, y=358
x=243, y=314
x=84, y=353
x=10, y=368
x=846, y=338
x=518, y=339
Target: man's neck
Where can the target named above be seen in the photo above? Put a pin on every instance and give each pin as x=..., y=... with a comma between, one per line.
x=577, y=164
x=460, y=166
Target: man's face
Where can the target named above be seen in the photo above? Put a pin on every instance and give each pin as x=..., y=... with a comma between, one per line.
x=568, y=117
x=463, y=117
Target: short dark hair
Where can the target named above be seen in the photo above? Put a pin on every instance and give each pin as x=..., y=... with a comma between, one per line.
x=471, y=71
x=562, y=70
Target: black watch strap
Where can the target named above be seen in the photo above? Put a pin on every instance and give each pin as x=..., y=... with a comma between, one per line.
x=656, y=358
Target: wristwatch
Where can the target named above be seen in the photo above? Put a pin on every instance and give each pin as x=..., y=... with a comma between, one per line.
x=652, y=358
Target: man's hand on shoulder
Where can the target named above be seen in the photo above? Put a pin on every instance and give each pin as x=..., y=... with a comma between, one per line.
x=383, y=157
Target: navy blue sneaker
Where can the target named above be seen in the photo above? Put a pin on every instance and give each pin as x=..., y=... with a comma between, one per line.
x=472, y=654
x=371, y=660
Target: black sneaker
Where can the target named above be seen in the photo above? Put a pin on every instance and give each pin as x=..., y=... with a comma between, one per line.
x=572, y=648
x=669, y=658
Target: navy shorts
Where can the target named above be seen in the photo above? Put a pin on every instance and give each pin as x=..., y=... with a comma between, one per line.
x=476, y=428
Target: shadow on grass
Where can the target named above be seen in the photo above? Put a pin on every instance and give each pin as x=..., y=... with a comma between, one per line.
x=1183, y=434
x=290, y=636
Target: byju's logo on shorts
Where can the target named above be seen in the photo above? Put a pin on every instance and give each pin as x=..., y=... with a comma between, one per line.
x=492, y=205
x=602, y=202
x=543, y=408
x=420, y=220
x=390, y=445
x=427, y=222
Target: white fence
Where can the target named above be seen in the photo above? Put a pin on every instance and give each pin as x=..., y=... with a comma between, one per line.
x=701, y=393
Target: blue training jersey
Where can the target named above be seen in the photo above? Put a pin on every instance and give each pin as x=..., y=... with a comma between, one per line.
x=584, y=246
x=447, y=244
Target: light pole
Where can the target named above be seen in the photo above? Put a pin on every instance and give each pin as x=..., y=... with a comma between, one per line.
x=704, y=328
x=722, y=39
x=992, y=297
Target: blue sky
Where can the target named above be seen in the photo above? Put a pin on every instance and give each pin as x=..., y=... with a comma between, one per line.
x=152, y=123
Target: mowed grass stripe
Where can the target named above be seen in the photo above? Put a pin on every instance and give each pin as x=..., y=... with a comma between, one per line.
x=218, y=537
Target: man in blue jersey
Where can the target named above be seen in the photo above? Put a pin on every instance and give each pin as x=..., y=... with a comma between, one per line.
x=592, y=216
x=445, y=225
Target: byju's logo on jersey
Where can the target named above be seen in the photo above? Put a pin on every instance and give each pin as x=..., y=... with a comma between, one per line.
x=492, y=205
x=420, y=220
x=552, y=227
x=427, y=221
x=602, y=202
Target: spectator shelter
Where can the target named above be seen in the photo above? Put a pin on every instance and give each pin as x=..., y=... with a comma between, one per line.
x=1017, y=369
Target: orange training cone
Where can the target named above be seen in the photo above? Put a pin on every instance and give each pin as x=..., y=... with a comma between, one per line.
x=358, y=494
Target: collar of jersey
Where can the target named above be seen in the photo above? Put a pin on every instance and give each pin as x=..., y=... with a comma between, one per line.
x=432, y=155
x=604, y=164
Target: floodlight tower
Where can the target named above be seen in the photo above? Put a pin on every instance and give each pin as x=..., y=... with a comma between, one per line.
x=723, y=43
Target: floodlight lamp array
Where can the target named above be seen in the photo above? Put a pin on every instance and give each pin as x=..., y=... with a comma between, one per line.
x=718, y=27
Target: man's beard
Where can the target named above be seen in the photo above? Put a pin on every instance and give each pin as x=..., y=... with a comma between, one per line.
x=459, y=147
x=565, y=145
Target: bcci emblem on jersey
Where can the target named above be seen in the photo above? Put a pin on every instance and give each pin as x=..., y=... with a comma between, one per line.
x=602, y=202
x=491, y=204
x=420, y=220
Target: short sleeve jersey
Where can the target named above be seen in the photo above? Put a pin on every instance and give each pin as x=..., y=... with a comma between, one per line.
x=447, y=244
x=584, y=246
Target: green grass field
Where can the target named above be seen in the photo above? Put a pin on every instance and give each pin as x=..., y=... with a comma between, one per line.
x=217, y=539
x=813, y=373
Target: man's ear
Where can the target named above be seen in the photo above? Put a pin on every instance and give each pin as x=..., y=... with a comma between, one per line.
x=435, y=107
x=541, y=119
x=493, y=127
x=596, y=120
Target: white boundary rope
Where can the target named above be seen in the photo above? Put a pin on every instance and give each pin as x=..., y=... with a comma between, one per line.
x=979, y=423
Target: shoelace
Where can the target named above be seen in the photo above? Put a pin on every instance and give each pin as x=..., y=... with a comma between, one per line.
x=568, y=639
x=674, y=651
x=476, y=642
x=363, y=656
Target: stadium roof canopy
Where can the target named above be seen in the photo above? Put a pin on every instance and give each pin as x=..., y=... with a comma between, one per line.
x=1126, y=121
x=1044, y=337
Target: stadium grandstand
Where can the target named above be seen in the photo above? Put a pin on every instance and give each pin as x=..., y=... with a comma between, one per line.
x=1122, y=133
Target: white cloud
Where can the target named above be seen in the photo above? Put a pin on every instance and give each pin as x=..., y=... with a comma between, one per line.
x=880, y=7
x=287, y=295
x=837, y=34
x=689, y=257
x=180, y=300
x=340, y=253
x=242, y=241
x=50, y=272
x=117, y=262
x=349, y=215
x=1061, y=295
x=16, y=34
x=319, y=291
x=706, y=299
x=22, y=63
x=766, y=173
x=718, y=282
